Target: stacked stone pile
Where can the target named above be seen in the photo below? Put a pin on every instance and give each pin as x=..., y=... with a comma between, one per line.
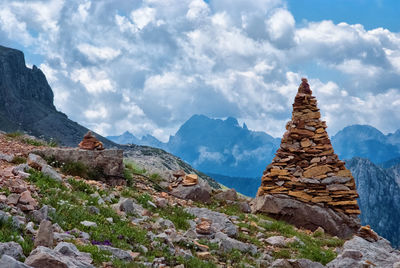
x=305, y=166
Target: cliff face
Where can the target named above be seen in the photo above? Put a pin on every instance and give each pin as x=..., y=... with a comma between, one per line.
x=379, y=199
x=26, y=103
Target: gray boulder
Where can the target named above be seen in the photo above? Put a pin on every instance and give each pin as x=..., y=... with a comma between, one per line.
x=45, y=234
x=357, y=251
x=219, y=221
x=295, y=263
x=117, y=253
x=130, y=207
x=44, y=257
x=9, y=262
x=227, y=195
x=227, y=244
x=199, y=192
x=6, y=157
x=70, y=250
x=309, y=216
x=49, y=171
x=11, y=249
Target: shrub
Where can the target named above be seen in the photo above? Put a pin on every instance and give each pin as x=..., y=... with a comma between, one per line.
x=18, y=160
x=75, y=169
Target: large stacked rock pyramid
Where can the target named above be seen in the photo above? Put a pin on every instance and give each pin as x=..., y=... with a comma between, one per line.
x=305, y=167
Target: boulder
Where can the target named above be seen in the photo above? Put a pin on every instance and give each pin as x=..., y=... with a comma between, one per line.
x=229, y=194
x=44, y=257
x=130, y=207
x=70, y=250
x=6, y=157
x=35, y=161
x=227, y=244
x=199, y=192
x=296, y=263
x=9, y=262
x=305, y=215
x=117, y=253
x=359, y=252
x=49, y=171
x=219, y=221
x=11, y=249
x=110, y=162
x=277, y=241
x=45, y=234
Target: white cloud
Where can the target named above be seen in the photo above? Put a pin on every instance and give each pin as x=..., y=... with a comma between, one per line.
x=147, y=66
x=98, y=53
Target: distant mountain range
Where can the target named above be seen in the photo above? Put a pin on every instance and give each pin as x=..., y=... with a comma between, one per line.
x=224, y=147
x=379, y=199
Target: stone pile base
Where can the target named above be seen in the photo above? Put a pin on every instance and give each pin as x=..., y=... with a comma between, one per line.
x=306, y=215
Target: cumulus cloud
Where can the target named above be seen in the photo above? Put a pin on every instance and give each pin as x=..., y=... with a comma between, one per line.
x=147, y=66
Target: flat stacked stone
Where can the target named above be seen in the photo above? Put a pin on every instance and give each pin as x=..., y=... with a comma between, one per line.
x=305, y=166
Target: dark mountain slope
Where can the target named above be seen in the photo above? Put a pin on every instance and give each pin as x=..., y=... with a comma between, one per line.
x=26, y=103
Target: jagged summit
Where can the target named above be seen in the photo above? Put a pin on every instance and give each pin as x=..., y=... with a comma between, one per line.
x=305, y=166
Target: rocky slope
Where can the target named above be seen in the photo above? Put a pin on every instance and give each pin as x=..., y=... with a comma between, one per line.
x=379, y=199
x=60, y=220
x=158, y=161
x=26, y=103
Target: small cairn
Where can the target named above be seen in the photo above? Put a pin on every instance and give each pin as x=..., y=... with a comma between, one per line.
x=90, y=142
x=305, y=166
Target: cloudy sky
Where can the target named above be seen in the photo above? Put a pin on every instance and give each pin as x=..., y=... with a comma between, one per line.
x=147, y=66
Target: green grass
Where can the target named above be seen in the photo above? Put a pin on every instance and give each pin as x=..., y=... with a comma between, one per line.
x=99, y=256
x=71, y=210
x=15, y=134
x=34, y=142
x=282, y=254
x=18, y=160
x=9, y=232
x=75, y=169
x=134, y=168
x=177, y=215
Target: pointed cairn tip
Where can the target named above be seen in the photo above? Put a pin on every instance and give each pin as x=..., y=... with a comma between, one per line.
x=304, y=87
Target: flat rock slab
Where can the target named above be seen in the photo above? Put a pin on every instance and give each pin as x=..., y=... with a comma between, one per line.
x=306, y=215
x=110, y=161
x=357, y=252
x=219, y=221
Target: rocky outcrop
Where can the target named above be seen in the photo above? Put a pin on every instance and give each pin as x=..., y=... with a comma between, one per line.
x=26, y=103
x=109, y=161
x=64, y=255
x=359, y=253
x=159, y=161
x=306, y=215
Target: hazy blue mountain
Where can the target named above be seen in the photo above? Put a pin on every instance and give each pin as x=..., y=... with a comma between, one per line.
x=366, y=142
x=246, y=186
x=124, y=138
x=223, y=146
x=129, y=138
x=379, y=197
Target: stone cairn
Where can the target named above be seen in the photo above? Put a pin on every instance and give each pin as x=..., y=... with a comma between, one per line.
x=305, y=166
x=90, y=142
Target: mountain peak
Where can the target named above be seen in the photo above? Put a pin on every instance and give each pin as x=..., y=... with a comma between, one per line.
x=232, y=121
